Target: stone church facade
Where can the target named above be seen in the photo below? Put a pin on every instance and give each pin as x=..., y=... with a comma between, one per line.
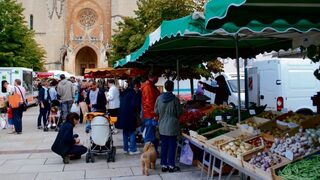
x=75, y=34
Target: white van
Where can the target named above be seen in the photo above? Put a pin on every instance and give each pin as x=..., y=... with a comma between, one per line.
x=9, y=74
x=283, y=84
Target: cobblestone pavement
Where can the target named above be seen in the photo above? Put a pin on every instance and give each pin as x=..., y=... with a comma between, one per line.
x=28, y=156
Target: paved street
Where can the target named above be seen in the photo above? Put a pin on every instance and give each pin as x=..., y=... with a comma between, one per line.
x=28, y=156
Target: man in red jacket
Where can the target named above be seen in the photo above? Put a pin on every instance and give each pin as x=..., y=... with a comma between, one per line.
x=150, y=94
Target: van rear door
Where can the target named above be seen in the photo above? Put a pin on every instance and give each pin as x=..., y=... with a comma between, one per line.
x=269, y=82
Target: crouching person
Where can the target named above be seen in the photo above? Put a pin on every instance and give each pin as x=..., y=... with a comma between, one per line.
x=67, y=144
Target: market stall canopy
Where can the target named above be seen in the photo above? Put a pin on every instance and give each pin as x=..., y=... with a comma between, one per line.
x=111, y=72
x=295, y=19
x=44, y=74
x=187, y=40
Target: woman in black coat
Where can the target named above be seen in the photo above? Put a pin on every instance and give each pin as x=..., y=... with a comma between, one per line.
x=129, y=111
x=67, y=145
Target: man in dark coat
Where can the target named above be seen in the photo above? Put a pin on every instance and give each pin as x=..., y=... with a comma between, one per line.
x=96, y=98
x=44, y=103
x=66, y=144
x=222, y=91
x=129, y=111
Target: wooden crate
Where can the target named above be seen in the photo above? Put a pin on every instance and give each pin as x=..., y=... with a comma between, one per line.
x=203, y=139
x=257, y=120
x=270, y=173
x=272, y=126
x=211, y=143
x=312, y=122
x=238, y=160
x=239, y=134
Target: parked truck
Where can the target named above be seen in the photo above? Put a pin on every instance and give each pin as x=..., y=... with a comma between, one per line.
x=283, y=84
x=9, y=74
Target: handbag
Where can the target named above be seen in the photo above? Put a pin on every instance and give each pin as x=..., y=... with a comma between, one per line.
x=24, y=105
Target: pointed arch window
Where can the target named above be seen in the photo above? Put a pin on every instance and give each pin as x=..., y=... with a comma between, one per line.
x=31, y=22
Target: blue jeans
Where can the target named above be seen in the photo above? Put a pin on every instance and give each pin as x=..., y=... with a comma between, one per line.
x=132, y=136
x=44, y=112
x=168, y=150
x=17, y=119
x=65, y=109
x=150, y=135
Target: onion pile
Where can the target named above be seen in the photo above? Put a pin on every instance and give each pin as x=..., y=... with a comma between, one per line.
x=302, y=143
x=264, y=160
x=236, y=148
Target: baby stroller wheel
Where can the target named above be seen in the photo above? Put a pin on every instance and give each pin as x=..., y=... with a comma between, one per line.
x=88, y=157
x=93, y=158
x=113, y=154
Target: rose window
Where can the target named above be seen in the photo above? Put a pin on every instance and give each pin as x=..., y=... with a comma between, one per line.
x=87, y=17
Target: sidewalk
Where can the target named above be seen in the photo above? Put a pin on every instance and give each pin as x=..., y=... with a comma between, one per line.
x=28, y=157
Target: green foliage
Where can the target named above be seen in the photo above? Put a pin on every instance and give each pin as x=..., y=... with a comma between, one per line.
x=131, y=32
x=17, y=45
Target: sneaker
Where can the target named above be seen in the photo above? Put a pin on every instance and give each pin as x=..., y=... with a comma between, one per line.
x=134, y=153
x=165, y=169
x=173, y=169
x=49, y=125
x=39, y=127
x=54, y=125
x=66, y=160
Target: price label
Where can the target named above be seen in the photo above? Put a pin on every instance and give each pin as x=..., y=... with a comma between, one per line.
x=218, y=118
x=252, y=112
x=209, y=124
x=228, y=117
x=289, y=155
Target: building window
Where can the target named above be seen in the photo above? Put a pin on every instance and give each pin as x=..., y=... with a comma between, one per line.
x=31, y=22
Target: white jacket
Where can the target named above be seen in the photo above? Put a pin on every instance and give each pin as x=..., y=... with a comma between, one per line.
x=113, y=97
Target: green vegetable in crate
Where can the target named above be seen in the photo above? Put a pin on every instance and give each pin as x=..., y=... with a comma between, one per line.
x=209, y=128
x=215, y=134
x=306, y=169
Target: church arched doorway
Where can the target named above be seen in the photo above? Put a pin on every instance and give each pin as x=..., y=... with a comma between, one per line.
x=85, y=58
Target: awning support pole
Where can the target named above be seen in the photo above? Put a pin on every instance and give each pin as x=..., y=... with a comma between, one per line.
x=238, y=76
x=178, y=77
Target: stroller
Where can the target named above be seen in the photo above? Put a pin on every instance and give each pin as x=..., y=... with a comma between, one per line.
x=101, y=142
x=55, y=116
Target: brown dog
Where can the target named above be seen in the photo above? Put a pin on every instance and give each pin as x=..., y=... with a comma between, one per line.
x=148, y=158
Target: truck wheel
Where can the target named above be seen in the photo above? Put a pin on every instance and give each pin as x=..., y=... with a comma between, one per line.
x=305, y=112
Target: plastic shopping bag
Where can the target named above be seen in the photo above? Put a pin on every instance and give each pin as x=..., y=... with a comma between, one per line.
x=3, y=122
x=75, y=108
x=186, y=156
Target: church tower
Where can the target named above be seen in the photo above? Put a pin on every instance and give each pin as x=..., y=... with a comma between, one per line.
x=88, y=34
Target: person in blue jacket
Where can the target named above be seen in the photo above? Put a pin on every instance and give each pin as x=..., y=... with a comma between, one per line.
x=67, y=144
x=129, y=111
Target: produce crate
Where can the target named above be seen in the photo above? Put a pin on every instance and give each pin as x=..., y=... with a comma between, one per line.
x=267, y=144
x=238, y=160
x=204, y=139
x=271, y=130
x=215, y=144
x=250, y=125
x=239, y=134
x=312, y=122
x=266, y=175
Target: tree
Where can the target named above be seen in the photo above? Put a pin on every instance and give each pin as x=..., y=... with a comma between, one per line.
x=131, y=32
x=17, y=45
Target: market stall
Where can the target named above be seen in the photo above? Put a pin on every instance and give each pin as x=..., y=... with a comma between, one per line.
x=265, y=145
x=111, y=73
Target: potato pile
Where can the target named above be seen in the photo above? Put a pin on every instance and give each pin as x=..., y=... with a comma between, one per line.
x=236, y=148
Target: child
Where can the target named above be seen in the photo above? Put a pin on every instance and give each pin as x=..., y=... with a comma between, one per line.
x=54, y=115
x=10, y=119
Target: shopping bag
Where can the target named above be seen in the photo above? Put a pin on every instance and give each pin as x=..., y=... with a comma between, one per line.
x=75, y=108
x=14, y=100
x=3, y=122
x=186, y=155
